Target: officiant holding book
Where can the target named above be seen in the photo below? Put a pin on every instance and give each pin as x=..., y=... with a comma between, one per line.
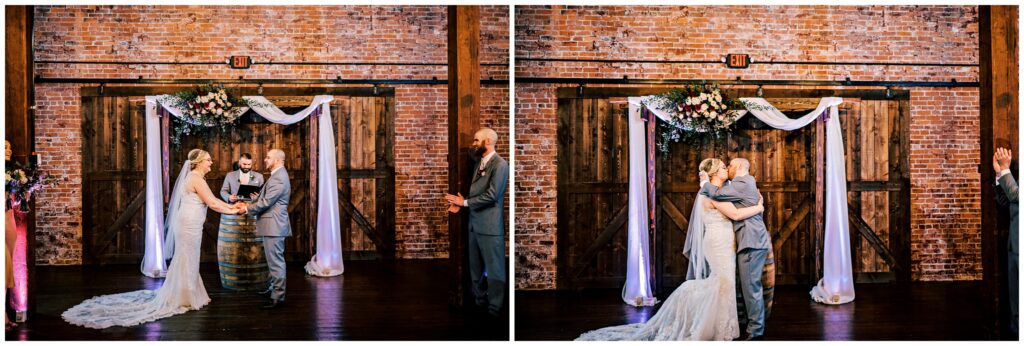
x=243, y=176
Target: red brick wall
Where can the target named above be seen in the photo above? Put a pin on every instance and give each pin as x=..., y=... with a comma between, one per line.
x=270, y=33
x=944, y=146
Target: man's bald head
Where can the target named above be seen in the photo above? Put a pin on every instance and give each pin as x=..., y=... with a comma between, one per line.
x=738, y=167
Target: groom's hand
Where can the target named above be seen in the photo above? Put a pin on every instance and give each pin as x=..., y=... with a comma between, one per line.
x=233, y=198
x=254, y=195
x=703, y=177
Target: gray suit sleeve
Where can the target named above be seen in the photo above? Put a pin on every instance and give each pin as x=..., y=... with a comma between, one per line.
x=1009, y=185
x=225, y=188
x=270, y=196
x=733, y=192
x=494, y=189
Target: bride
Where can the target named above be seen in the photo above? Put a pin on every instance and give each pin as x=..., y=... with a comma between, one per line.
x=183, y=289
x=703, y=308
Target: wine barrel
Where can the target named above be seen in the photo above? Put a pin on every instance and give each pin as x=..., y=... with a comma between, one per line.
x=243, y=266
x=767, y=289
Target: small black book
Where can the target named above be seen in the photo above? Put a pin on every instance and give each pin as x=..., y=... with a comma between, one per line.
x=245, y=190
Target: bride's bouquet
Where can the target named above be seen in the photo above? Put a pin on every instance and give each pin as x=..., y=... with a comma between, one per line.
x=697, y=112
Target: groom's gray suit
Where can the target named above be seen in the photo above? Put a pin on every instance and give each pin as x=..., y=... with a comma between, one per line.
x=273, y=225
x=754, y=243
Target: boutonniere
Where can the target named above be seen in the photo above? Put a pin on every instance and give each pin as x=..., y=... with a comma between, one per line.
x=482, y=172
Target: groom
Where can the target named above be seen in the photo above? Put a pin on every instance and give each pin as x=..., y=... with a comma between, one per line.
x=271, y=207
x=752, y=237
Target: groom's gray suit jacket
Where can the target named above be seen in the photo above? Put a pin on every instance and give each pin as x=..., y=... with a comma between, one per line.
x=742, y=191
x=231, y=183
x=272, y=206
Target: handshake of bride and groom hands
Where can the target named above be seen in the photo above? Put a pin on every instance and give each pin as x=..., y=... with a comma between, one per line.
x=239, y=206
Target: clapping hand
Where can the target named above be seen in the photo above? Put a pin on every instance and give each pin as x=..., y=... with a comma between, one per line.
x=1001, y=160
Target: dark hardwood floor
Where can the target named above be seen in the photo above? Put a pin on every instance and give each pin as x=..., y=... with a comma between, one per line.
x=915, y=311
x=371, y=301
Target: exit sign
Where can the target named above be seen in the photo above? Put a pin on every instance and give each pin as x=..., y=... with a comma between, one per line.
x=240, y=62
x=737, y=60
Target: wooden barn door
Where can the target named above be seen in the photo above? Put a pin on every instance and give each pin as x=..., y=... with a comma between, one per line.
x=113, y=179
x=114, y=174
x=364, y=137
x=593, y=178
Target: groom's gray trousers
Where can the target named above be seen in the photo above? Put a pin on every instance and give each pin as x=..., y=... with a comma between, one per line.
x=749, y=266
x=273, y=248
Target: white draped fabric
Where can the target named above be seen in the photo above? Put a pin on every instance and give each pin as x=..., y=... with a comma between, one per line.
x=637, y=290
x=328, y=259
x=836, y=287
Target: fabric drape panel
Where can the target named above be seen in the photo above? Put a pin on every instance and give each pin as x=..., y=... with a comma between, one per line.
x=637, y=290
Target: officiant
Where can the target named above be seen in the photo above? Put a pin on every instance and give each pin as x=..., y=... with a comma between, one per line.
x=243, y=175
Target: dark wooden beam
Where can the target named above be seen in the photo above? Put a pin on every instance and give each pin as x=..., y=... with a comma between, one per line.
x=819, y=196
x=463, y=121
x=652, y=200
x=19, y=113
x=611, y=92
x=610, y=230
x=998, y=55
x=144, y=90
x=314, y=155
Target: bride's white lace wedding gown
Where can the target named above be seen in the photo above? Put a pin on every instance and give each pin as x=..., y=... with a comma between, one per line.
x=698, y=309
x=182, y=289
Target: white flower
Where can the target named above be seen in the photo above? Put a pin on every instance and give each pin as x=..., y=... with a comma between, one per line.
x=718, y=98
x=724, y=106
x=209, y=94
x=218, y=111
x=714, y=114
x=704, y=107
x=210, y=105
x=228, y=104
x=703, y=97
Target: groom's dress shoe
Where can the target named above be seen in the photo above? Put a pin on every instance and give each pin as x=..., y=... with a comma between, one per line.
x=264, y=293
x=753, y=338
x=274, y=304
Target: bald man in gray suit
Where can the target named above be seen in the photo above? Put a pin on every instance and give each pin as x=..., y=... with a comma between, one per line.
x=272, y=223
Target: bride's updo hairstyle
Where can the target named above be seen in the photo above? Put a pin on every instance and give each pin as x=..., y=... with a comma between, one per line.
x=711, y=166
x=195, y=157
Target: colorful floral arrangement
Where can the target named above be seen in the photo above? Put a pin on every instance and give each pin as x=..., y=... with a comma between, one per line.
x=698, y=112
x=207, y=111
x=23, y=182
